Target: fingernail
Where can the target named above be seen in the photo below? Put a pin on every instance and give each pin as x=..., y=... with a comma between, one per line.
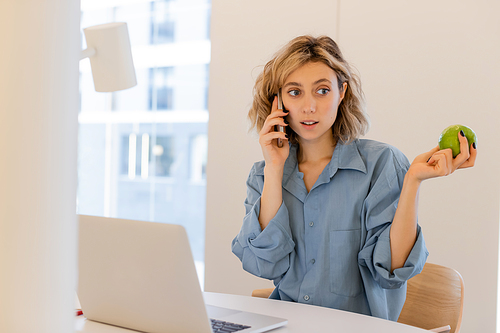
x=286, y=136
x=462, y=133
x=474, y=145
x=286, y=121
x=429, y=159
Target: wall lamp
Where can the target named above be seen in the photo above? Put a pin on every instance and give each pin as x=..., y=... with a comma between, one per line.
x=108, y=47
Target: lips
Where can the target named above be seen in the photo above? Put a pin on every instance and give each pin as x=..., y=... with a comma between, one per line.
x=308, y=124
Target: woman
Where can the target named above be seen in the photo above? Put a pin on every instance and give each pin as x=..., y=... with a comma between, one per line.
x=331, y=218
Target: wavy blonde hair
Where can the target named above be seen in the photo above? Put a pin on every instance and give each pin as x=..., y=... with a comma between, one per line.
x=352, y=120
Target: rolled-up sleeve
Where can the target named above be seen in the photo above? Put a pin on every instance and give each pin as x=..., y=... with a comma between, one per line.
x=264, y=253
x=376, y=257
x=378, y=212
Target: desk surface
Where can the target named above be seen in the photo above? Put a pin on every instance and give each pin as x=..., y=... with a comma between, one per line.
x=301, y=317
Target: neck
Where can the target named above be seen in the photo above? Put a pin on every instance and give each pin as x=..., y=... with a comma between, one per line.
x=310, y=152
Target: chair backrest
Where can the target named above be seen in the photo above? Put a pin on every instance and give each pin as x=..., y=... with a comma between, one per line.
x=263, y=293
x=434, y=298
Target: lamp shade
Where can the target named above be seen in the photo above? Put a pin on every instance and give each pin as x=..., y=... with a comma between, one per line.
x=112, y=65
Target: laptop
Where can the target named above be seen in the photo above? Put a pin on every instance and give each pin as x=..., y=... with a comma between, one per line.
x=141, y=275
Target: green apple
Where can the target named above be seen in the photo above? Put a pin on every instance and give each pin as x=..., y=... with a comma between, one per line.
x=449, y=138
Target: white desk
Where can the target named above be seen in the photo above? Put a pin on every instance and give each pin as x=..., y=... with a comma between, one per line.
x=301, y=317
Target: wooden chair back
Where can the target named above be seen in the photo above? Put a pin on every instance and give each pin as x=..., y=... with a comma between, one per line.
x=434, y=298
x=263, y=293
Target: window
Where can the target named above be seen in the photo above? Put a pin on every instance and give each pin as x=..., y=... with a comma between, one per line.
x=142, y=151
x=163, y=30
x=143, y=158
x=161, y=88
x=199, y=147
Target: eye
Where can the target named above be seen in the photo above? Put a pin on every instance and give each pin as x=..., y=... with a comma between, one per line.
x=294, y=92
x=323, y=91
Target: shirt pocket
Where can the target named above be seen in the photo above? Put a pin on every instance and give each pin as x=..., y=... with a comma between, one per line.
x=345, y=278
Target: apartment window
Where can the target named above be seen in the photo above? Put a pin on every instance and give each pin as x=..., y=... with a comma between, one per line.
x=161, y=88
x=141, y=157
x=163, y=27
x=199, y=146
x=142, y=151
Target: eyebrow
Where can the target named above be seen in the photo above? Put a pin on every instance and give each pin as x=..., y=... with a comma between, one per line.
x=300, y=85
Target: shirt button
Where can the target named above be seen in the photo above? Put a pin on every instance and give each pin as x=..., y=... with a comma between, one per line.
x=311, y=223
x=313, y=261
x=306, y=297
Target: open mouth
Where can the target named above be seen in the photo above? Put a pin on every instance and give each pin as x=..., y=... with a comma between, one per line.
x=308, y=123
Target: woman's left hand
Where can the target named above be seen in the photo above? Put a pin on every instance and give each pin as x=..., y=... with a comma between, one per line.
x=438, y=163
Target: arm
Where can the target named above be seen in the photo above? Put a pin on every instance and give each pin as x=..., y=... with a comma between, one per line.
x=264, y=243
x=272, y=197
x=264, y=253
x=435, y=163
x=275, y=158
x=403, y=233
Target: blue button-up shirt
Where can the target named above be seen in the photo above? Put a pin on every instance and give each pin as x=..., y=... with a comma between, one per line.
x=330, y=246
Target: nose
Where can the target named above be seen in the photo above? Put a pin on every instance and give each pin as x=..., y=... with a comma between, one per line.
x=309, y=104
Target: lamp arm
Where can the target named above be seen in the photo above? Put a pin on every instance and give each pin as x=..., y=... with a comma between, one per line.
x=87, y=53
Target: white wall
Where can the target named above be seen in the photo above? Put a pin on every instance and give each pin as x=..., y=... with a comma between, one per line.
x=424, y=65
x=244, y=36
x=40, y=48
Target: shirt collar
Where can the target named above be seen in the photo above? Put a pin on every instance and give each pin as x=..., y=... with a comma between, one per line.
x=348, y=157
x=345, y=156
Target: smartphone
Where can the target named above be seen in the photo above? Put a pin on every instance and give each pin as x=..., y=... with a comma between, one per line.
x=279, y=128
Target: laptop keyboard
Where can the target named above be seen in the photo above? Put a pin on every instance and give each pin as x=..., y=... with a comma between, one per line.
x=219, y=326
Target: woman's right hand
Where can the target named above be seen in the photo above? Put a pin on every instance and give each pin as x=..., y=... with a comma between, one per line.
x=274, y=156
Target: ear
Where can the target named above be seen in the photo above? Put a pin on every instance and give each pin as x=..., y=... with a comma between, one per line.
x=342, y=92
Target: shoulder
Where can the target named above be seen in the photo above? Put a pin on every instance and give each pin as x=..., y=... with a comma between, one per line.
x=255, y=178
x=291, y=161
x=376, y=152
x=257, y=169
